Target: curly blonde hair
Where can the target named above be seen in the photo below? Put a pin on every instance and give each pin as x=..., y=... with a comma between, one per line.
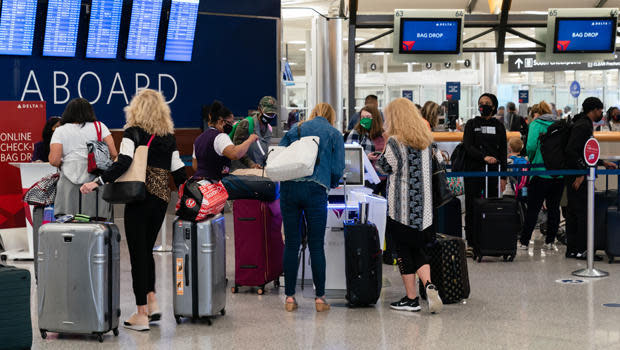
x=149, y=111
x=404, y=122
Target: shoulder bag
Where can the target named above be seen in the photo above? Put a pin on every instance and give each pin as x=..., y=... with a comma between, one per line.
x=295, y=161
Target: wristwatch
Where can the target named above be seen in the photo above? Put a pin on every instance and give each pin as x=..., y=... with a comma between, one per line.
x=99, y=181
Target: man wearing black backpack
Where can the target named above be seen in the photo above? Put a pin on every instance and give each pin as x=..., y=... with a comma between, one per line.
x=576, y=186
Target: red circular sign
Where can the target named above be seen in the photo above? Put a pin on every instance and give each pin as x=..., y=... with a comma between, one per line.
x=190, y=203
x=591, y=152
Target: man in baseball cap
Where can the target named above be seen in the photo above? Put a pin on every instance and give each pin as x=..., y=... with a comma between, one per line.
x=259, y=123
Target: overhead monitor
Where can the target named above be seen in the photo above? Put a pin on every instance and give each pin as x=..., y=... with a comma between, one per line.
x=181, y=30
x=430, y=36
x=143, y=29
x=17, y=26
x=61, y=27
x=105, y=22
x=585, y=35
x=425, y=36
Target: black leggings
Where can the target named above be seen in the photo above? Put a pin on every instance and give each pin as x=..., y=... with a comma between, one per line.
x=143, y=220
x=410, y=244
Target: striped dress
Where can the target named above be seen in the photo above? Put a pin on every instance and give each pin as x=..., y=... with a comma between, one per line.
x=409, y=188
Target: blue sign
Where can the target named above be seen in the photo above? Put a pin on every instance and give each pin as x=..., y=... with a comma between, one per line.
x=408, y=94
x=592, y=35
x=453, y=90
x=575, y=89
x=524, y=96
x=430, y=36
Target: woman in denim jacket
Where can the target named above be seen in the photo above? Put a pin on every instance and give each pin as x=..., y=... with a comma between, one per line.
x=309, y=195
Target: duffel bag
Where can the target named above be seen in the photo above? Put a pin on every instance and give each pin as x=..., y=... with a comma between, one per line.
x=251, y=187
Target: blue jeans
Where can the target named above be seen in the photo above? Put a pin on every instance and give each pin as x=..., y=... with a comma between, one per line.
x=310, y=199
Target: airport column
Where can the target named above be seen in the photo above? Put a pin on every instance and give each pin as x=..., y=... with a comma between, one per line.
x=328, y=65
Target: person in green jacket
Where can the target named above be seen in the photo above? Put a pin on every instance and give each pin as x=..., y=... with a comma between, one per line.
x=542, y=188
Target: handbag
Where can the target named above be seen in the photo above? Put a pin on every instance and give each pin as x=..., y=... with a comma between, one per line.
x=130, y=187
x=200, y=198
x=295, y=161
x=441, y=192
x=43, y=192
x=98, y=153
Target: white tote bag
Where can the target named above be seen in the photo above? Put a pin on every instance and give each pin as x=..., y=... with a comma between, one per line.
x=295, y=161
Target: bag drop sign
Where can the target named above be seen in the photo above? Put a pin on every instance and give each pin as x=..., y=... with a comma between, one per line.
x=591, y=152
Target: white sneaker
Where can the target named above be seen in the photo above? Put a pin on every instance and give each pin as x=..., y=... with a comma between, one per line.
x=523, y=247
x=549, y=246
x=434, y=301
x=137, y=322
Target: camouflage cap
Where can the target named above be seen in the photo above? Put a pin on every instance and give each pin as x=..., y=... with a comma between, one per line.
x=268, y=104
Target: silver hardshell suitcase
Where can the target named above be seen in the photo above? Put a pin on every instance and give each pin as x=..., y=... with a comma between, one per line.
x=79, y=278
x=199, y=268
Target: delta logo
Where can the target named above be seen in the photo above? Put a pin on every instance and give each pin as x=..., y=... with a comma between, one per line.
x=29, y=106
x=408, y=45
x=563, y=45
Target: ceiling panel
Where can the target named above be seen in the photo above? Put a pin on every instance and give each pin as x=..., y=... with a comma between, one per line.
x=482, y=6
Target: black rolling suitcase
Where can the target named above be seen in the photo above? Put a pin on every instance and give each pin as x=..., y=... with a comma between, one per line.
x=15, y=323
x=497, y=223
x=362, y=263
x=448, y=269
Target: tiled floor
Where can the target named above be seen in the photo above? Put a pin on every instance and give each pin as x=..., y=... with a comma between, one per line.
x=515, y=305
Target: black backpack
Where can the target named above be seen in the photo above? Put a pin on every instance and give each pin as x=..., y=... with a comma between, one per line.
x=457, y=159
x=553, y=144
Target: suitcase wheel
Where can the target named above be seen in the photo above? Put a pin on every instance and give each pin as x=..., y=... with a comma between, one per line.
x=511, y=258
x=611, y=258
x=223, y=312
x=276, y=283
x=479, y=258
x=43, y=333
x=115, y=331
x=261, y=290
x=100, y=337
x=505, y=257
x=177, y=318
x=234, y=289
x=209, y=323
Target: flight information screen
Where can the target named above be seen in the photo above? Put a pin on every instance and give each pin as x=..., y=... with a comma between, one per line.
x=585, y=35
x=143, y=29
x=181, y=29
x=17, y=26
x=430, y=35
x=61, y=28
x=105, y=22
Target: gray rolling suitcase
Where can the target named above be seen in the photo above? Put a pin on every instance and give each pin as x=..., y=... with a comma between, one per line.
x=199, y=268
x=79, y=278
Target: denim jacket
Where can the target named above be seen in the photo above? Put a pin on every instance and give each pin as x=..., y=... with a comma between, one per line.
x=330, y=167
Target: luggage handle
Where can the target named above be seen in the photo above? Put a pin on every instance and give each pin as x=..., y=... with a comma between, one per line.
x=499, y=182
x=96, y=190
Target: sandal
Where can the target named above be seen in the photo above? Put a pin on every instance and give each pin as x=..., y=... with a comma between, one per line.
x=290, y=305
x=321, y=306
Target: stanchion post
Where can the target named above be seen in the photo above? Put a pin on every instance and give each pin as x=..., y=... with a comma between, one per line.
x=590, y=271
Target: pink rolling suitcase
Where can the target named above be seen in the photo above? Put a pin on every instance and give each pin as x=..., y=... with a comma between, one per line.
x=259, y=247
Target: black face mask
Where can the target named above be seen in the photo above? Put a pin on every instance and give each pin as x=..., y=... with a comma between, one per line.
x=227, y=128
x=485, y=110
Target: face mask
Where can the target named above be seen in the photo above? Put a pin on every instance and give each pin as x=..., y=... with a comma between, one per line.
x=228, y=128
x=366, y=123
x=485, y=110
x=266, y=119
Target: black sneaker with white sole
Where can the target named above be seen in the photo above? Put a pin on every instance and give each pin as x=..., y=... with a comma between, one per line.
x=434, y=301
x=406, y=304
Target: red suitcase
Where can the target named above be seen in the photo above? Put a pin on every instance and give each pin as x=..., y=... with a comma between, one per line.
x=259, y=247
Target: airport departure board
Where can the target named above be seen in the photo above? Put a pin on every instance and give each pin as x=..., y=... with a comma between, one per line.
x=105, y=22
x=585, y=35
x=430, y=36
x=61, y=28
x=17, y=26
x=181, y=30
x=143, y=29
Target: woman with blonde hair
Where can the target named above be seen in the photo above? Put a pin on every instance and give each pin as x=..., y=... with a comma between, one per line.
x=407, y=160
x=430, y=112
x=308, y=195
x=148, y=123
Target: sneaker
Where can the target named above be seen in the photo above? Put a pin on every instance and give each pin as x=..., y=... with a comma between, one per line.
x=570, y=255
x=434, y=301
x=584, y=256
x=154, y=312
x=523, y=247
x=549, y=246
x=406, y=304
x=137, y=322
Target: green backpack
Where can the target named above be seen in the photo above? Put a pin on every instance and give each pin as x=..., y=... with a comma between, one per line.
x=250, y=127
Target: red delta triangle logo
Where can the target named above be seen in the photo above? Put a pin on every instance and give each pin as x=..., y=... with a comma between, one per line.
x=338, y=213
x=563, y=45
x=408, y=45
